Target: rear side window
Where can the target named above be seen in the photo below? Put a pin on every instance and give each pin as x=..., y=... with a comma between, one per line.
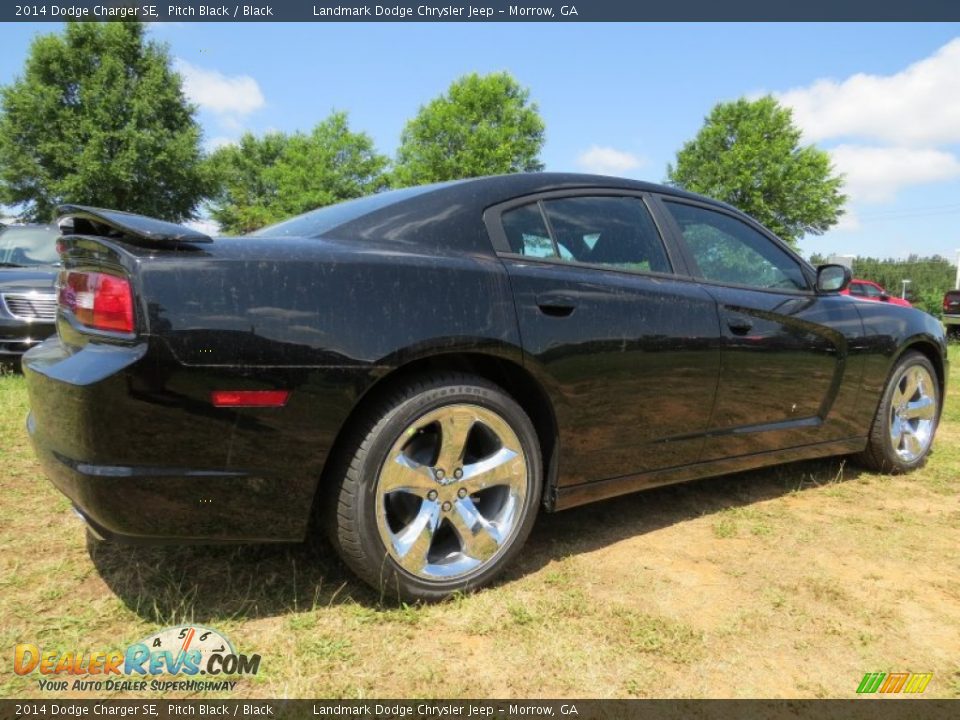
x=527, y=232
x=322, y=220
x=728, y=250
x=616, y=232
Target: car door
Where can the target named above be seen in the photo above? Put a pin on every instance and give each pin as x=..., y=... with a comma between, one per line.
x=625, y=346
x=789, y=372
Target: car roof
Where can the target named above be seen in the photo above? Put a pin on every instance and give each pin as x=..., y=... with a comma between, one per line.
x=529, y=183
x=448, y=215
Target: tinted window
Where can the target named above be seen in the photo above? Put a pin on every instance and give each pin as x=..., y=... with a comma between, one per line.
x=27, y=246
x=871, y=290
x=613, y=231
x=856, y=289
x=318, y=222
x=527, y=233
x=730, y=251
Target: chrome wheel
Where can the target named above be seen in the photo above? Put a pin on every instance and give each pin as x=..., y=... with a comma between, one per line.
x=913, y=413
x=451, y=493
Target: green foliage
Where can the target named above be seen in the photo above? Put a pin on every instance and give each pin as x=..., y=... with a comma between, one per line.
x=721, y=257
x=930, y=278
x=240, y=204
x=748, y=154
x=99, y=118
x=267, y=179
x=482, y=125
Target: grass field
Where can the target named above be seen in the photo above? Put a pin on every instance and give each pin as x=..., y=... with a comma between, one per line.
x=789, y=582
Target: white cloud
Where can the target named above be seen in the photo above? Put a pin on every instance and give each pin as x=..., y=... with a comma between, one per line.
x=207, y=226
x=875, y=174
x=609, y=161
x=918, y=106
x=848, y=222
x=218, y=142
x=219, y=93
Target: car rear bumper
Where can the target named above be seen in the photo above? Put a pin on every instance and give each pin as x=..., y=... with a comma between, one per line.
x=148, y=504
x=147, y=464
x=951, y=319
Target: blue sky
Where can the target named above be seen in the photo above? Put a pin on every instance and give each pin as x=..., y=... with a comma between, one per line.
x=620, y=98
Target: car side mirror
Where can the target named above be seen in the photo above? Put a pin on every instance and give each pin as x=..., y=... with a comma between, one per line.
x=833, y=278
x=884, y=297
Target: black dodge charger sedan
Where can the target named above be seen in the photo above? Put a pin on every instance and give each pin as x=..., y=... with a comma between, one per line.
x=420, y=372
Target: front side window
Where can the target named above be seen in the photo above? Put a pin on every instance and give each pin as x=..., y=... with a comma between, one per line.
x=727, y=250
x=616, y=232
x=871, y=290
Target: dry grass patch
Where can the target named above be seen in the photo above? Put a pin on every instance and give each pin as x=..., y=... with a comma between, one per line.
x=791, y=581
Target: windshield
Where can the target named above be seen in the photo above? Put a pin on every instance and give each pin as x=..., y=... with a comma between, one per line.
x=318, y=222
x=28, y=246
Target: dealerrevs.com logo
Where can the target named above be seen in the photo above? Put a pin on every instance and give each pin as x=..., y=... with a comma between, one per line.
x=199, y=658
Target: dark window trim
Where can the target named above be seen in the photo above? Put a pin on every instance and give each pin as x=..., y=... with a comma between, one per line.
x=498, y=238
x=549, y=226
x=560, y=262
x=805, y=269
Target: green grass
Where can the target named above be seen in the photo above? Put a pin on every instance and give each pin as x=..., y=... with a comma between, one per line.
x=793, y=581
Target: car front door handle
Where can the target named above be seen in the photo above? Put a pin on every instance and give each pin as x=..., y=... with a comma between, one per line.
x=739, y=325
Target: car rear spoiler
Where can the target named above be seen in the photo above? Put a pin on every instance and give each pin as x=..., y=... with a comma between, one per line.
x=136, y=229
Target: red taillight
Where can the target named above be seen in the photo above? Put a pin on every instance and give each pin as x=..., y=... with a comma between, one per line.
x=97, y=300
x=249, y=398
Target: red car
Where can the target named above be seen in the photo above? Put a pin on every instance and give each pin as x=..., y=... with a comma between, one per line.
x=871, y=291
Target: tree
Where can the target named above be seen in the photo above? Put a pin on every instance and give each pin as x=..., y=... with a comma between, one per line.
x=99, y=118
x=483, y=125
x=748, y=154
x=930, y=278
x=268, y=179
x=245, y=195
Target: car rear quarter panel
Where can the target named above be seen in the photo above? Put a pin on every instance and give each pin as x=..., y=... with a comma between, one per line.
x=320, y=318
x=890, y=331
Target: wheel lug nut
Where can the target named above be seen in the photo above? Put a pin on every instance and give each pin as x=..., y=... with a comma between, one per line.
x=438, y=473
x=447, y=506
x=458, y=473
x=462, y=492
x=432, y=495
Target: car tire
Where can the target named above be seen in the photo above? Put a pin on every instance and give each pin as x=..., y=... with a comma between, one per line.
x=906, y=421
x=415, y=529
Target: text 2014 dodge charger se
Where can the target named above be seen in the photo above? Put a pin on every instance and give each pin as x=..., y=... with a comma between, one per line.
x=423, y=370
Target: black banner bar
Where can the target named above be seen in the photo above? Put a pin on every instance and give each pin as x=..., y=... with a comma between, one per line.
x=856, y=709
x=480, y=11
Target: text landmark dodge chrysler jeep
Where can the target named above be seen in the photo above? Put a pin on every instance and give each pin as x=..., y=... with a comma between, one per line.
x=423, y=370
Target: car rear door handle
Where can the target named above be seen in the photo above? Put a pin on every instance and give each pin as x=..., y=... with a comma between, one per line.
x=556, y=305
x=739, y=325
